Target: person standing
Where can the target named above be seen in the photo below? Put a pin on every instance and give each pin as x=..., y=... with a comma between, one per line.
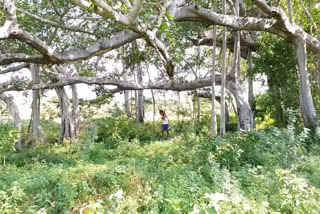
x=165, y=123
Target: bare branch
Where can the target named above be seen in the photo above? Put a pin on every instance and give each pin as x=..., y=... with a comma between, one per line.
x=51, y=56
x=14, y=68
x=124, y=85
x=128, y=21
x=281, y=26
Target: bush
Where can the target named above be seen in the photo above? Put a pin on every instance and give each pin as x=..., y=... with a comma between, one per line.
x=111, y=131
x=257, y=172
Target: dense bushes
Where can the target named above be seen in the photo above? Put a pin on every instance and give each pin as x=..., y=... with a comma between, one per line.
x=120, y=166
x=111, y=131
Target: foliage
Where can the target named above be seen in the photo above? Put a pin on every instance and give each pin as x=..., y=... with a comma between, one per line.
x=8, y=137
x=4, y=112
x=114, y=130
x=277, y=60
x=258, y=172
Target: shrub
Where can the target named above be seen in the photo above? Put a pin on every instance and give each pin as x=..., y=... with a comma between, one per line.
x=8, y=136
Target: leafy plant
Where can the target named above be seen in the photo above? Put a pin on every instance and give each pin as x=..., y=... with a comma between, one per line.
x=8, y=136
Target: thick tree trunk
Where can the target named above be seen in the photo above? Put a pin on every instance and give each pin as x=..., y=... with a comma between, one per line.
x=67, y=129
x=35, y=117
x=15, y=116
x=245, y=115
x=306, y=102
x=75, y=109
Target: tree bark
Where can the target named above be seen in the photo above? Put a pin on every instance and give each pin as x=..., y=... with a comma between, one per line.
x=127, y=103
x=140, y=103
x=213, y=76
x=67, y=129
x=290, y=11
x=198, y=76
x=139, y=94
x=75, y=109
x=15, y=116
x=250, y=81
x=306, y=102
x=178, y=105
x=223, y=77
x=35, y=118
x=245, y=115
x=153, y=103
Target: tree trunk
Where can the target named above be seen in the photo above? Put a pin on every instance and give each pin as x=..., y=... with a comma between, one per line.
x=213, y=107
x=178, y=105
x=140, y=106
x=198, y=76
x=127, y=103
x=237, y=51
x=250, y=81
x=153, y=103
x=15, y=116
x=194, y=107
x=223, y=77
x=243, y=111
x=154, y=112
x=227, y=114
x=245, y=115
x=35, y=117
x=251, y=99
x=140, y=97
x=198, y=108
x=290, y=11
x=75, y=109
x=306, y=102
x=140, y=103
x=67, y=129
x=126, y=92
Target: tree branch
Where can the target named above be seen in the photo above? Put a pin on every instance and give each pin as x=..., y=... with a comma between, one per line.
x=55, y=24
x=51, y=56
x=10, y=25
x=129, y=21
x=281, y=26
x=14, y=68
x=123, y=85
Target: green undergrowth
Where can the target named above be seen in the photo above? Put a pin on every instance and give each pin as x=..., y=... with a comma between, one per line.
x=123, y=167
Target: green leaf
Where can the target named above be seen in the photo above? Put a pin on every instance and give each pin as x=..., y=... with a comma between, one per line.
x=211, y=210
x=95, y=9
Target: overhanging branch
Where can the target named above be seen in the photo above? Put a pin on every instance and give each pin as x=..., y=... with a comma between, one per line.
x=124, y=85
